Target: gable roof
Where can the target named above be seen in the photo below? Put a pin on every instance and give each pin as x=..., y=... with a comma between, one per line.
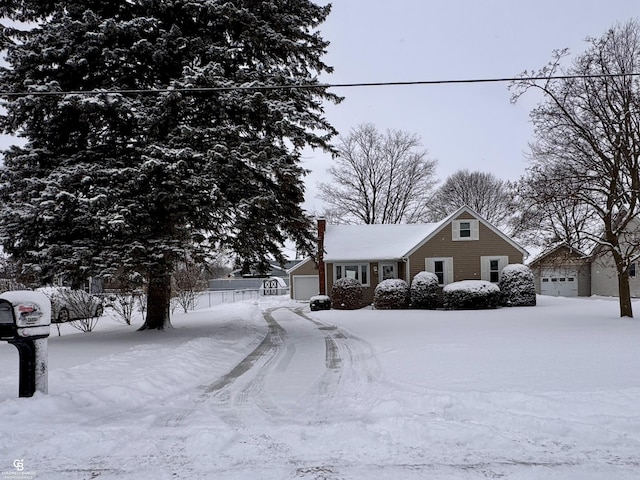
x=556, y=247
x=299, y=263
x=479, y=217
x=389, y=241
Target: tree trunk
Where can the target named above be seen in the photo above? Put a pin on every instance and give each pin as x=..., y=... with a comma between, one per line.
x=624, y=294
x=158, y=299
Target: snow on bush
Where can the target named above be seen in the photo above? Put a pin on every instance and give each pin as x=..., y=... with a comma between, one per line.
x=471, y=295
x=346, y=294
x=517, y=286
x=425, y=290
x=391, y=294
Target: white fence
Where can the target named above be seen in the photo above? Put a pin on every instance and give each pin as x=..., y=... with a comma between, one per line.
x=218, y=297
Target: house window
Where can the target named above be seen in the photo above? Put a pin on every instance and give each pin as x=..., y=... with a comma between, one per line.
x=491, y=268
x=441, y=267
x=438, y=269
x=494, y=271
x=358, y=271
x=465, y=230
x=632, y=270
x=387, y=271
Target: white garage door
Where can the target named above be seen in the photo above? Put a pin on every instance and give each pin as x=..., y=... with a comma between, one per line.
x=305, y=286
x=559, y=286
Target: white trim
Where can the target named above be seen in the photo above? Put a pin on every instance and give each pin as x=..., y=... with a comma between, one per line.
x=447, y=274
x=474, y=230
x=485, y=265
x=381, y=266
x=299, y=264
x=358, y=273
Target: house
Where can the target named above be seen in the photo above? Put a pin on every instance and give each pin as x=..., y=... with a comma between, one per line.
x=562, y=271
x=604, y=275
x=464, y=246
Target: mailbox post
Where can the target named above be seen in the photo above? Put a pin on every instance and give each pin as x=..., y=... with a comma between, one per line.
x=25, y=319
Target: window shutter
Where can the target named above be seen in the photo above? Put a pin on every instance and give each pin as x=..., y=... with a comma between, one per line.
x=502, y=262
x=449, y=267
x=455, y=228
x=429, y=265
x=475, y=229
x=484, y=268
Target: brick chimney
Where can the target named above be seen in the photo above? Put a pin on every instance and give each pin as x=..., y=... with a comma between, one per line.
x=322, y=226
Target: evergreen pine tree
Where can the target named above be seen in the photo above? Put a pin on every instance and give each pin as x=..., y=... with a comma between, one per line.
x=122, y=169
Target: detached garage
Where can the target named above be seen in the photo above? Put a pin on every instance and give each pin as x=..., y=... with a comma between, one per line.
x=562, y=272
x=304, y=280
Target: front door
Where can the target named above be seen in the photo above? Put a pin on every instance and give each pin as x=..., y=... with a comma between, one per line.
x=387, y=271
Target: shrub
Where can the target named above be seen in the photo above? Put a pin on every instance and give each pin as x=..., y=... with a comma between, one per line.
x=346, y=294
x=517, y=286
x=425, y=290
x=391, y=294
x=471, y=294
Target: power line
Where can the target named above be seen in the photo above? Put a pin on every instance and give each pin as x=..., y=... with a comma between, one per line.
x=150, y=91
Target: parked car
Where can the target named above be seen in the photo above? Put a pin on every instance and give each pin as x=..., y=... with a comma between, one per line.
x=68, y=304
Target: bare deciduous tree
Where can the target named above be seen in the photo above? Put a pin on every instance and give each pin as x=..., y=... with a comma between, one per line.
x=379, y=177
x=547, y=218
x=587, y=140
x=488, y=195
x=188, y=281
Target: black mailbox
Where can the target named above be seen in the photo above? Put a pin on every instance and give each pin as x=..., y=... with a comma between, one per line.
x=25, y=319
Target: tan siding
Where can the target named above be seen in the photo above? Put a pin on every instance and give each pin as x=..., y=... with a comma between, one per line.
x=309, y=268
x=466, y=254
x=374, y=278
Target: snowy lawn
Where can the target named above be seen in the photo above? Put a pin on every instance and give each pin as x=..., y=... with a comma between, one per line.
x=269, y=390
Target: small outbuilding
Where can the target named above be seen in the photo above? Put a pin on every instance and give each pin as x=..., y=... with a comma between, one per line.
x=562, y=271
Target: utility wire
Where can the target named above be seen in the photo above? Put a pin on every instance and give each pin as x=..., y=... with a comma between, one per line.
x=150, y=91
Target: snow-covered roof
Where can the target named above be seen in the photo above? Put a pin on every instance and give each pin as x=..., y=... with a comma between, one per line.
x=373, y=242
x=544, y=253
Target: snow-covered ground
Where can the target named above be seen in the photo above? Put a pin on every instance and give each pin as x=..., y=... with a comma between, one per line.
x=268, y=390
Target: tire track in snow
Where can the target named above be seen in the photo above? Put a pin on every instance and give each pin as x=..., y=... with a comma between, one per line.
x=352, y=369
x=243, y=386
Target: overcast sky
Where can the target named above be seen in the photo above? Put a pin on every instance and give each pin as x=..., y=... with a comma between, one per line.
x=463, y=126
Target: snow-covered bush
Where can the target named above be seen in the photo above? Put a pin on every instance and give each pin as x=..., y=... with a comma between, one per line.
x=425, y=290
x=391, y=294
x=346, y=294
x=517, y=286
x=471, y=294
